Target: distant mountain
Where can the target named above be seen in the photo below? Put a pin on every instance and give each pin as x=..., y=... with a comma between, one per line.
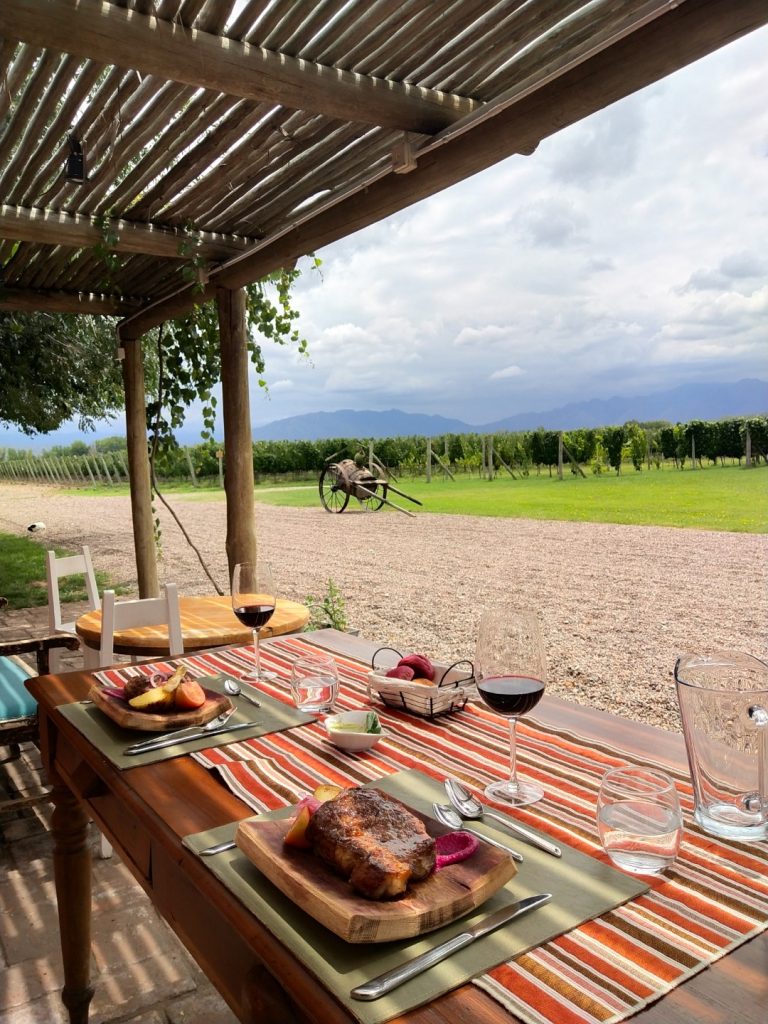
x=680, y=404
x=686, y=402
x=351, y=423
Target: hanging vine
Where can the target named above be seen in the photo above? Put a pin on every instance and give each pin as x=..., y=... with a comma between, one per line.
x=192, y=357
x=188, y=365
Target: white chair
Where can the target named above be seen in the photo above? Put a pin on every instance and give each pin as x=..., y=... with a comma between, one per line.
x=148, y=611
x=56, y=569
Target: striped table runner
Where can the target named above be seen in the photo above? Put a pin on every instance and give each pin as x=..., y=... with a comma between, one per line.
x=712, y=900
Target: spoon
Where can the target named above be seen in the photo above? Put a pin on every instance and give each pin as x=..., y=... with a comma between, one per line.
x=234, y=690
x=447, y=816
x=470, y=807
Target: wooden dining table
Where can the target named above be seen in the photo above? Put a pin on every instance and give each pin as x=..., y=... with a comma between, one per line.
x=206, y=621
x=146, y=811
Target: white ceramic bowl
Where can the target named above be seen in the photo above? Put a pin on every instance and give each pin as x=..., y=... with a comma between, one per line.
x=346, y=738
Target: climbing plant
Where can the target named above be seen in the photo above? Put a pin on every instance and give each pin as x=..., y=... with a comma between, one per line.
x=192, y=360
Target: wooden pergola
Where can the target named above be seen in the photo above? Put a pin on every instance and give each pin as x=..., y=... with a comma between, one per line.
x=251, y=132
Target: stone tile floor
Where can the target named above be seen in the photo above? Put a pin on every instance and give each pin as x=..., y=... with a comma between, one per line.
x=141, y=973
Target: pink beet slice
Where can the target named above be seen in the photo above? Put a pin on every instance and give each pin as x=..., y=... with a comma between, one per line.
x=454, y=847
x=401, y=672
x=421, y=665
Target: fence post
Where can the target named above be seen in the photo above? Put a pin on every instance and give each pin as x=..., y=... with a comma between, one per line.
x=88, y=467
x=491, y=469
x=748, y=450
x=429, y=460
x=96, y=467
x=190, y=466
x=560, y=455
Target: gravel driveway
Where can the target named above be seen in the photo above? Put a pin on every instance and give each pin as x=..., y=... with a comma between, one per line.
x=618, y=603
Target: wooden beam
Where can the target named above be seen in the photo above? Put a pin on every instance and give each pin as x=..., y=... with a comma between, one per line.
x=115, y=35
x=22, y=300
x=679, y=37
x=238, y=436
x=55, y=227
x=138, y=470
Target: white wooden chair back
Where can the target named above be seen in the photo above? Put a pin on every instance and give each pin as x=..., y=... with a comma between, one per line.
x=148, y=611
x=56, y=568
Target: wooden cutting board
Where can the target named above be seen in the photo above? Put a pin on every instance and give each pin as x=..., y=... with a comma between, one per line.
x=304, y=878
x=146, y=721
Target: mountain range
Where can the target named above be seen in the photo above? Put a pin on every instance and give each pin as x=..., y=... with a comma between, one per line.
x=678, y=405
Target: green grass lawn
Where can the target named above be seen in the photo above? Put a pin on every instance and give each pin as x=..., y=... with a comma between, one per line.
x=22, y=574
x=716, y=498
x=713, y=498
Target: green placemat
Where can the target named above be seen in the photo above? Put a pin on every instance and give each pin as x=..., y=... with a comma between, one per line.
x=111, y=739
x=581, y=887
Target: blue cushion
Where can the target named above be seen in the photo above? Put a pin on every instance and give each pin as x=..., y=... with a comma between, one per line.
x=15, y=700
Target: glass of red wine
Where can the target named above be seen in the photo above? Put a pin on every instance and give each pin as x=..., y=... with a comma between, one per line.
x=253, y=602
x=510, y=668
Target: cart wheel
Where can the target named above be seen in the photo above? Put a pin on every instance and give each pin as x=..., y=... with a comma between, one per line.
x=333, y=497
x=375, y=501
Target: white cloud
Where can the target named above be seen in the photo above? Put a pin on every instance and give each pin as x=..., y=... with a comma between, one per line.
x=507, y=373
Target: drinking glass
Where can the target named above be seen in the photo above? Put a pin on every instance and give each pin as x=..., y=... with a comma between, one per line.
x=639, y=819
x=253, y=602
x=510, y=668
x=314, y=683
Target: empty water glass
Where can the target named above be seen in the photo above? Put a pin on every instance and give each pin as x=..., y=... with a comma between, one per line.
x=314, y=683
x=639, y=819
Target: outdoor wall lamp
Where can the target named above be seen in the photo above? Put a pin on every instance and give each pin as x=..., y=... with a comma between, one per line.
x=75, y=170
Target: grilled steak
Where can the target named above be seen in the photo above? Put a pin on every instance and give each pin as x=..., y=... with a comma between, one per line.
x=374, y=841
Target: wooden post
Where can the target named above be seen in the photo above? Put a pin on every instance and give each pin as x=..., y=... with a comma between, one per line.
x=491, y=468
x=190, y=467
x=560, y=455
x=748, y=449
x=220, y=459
x=138, y=469
x=104, y=466
x=238, y=439
x=88, y=467
x=482, y=456
x=371, y=462
x=429, y=460
x=95, y=461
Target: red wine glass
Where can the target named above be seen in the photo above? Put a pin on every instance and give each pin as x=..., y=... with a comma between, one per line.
x=253, y=602
x=510, y=668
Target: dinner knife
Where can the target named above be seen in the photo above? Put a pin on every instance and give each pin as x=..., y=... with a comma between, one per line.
x=392, y=979
x=171, y=741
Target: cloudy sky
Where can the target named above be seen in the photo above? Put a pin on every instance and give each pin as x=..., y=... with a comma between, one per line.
x=626, y=256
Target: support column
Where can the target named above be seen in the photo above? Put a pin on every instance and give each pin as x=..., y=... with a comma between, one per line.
x=138, y=469
x=238, y=439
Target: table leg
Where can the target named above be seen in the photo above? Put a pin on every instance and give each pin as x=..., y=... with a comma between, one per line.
x=72, y=874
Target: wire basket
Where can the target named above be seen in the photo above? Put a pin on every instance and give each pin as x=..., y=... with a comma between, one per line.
x=451, y=692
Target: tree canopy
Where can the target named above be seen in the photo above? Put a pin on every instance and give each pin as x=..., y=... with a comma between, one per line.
x=57, y=367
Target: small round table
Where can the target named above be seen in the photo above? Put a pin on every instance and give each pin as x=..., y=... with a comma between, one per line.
x=205, y=622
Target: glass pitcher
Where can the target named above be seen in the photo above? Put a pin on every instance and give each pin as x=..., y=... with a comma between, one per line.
x=723, y=700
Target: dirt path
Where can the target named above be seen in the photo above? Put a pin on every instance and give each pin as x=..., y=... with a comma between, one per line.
x=618, y=603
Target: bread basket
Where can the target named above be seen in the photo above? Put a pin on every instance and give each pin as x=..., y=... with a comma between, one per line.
x=453, y=687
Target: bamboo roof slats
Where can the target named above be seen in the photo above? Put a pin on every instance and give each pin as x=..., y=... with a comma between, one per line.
x=248, y=132
x=47, y=166
x=235, y=124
